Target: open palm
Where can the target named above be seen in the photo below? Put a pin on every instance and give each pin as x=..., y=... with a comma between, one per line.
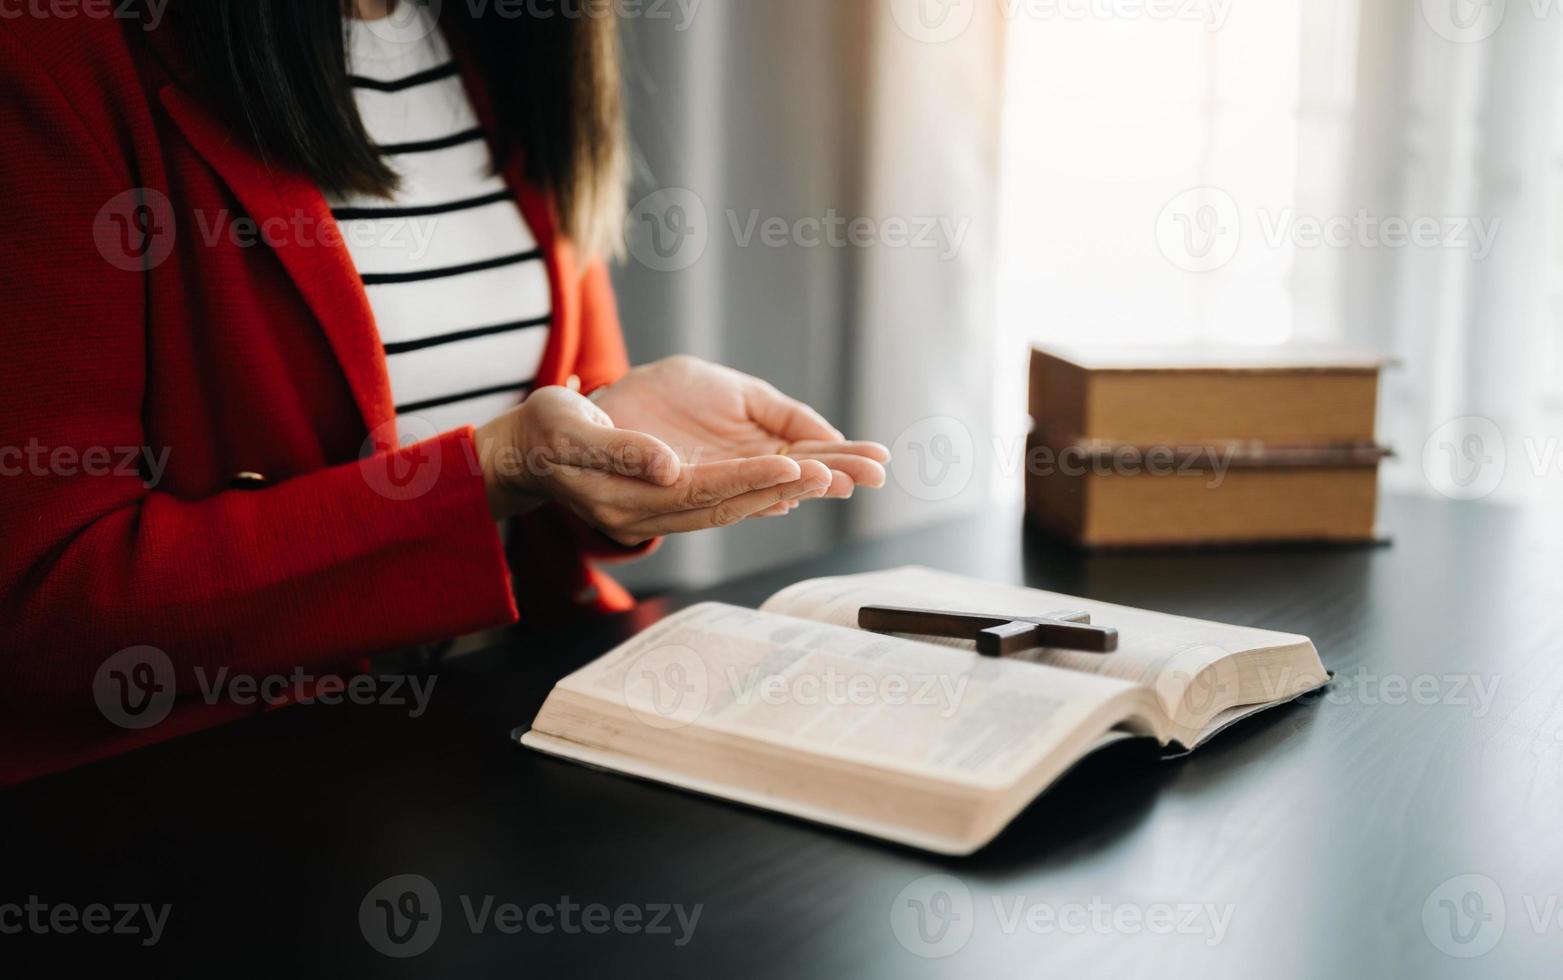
x=707, y=412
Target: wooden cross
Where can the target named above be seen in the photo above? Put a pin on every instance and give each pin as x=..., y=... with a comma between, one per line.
x=996, y=635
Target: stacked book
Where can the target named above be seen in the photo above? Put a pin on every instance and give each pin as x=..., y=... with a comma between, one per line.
x=1199, y=445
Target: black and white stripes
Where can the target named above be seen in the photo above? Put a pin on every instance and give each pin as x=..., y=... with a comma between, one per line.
x=455, y=278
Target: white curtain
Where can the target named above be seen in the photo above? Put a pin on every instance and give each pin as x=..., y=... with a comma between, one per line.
x=876, y=151
x=1252, y=173
x=1460, y=117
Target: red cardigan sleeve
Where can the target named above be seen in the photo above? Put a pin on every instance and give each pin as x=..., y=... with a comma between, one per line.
x=305, y=573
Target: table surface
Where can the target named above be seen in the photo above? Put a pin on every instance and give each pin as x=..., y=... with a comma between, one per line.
x=1334, y=837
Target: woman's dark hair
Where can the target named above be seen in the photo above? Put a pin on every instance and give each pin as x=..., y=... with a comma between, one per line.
x=280, y=66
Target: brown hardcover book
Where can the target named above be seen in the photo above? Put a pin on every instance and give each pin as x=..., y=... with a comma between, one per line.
x=1148, y=396
x=1200, y=445
x=1199, y=495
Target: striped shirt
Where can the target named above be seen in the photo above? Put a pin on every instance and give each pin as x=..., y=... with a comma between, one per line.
x=454, y=277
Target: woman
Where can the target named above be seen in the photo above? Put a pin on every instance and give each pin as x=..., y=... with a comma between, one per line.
x=279, y=275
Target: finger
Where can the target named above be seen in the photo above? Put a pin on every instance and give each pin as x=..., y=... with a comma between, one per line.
x=781, y=509
x=706, y=485
x=863, y=471
x=787, y=418
x=816, y=447
x=736, y=509
x=841, y=486
x=622, y=451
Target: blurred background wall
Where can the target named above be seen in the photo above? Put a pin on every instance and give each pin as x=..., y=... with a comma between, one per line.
x=878, y=204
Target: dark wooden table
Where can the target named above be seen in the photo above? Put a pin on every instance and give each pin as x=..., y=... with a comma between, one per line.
x=1325, y=839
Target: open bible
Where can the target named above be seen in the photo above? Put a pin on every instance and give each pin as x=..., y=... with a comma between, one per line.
x=915, y=739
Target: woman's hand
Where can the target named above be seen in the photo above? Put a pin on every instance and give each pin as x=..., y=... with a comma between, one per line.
x=706, y=412
x=558, y=446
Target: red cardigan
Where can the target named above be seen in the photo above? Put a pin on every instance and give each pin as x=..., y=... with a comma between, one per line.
x=269, y=544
